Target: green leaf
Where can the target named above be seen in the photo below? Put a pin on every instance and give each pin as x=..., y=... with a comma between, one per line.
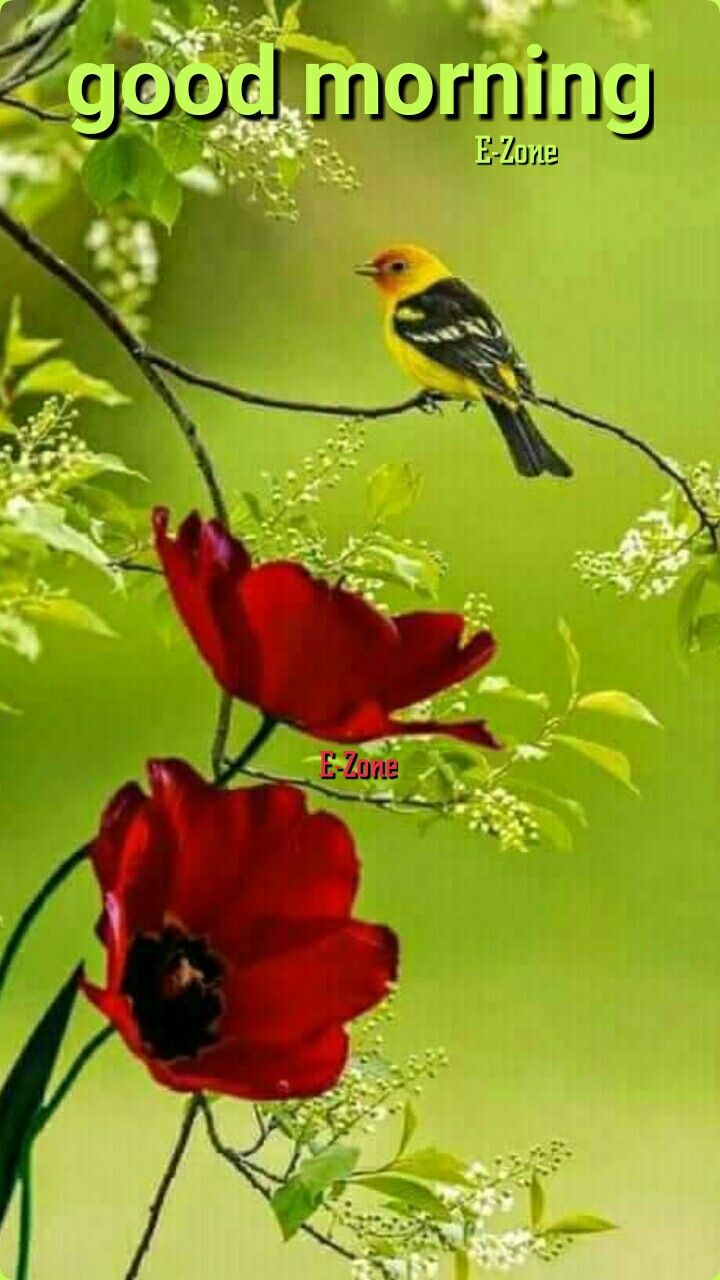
x=688, y=609
x=406, y=1192
x=18, y=635
x=70, y=613
x=20, y=350
x=606, y=758
x=552, y=826
x=537, y=1203
x=410, y=1124
x=146, y=171
x=316, y=48
x=63, y=378
x=614, y=703
x=93, y=31
x=392, y=490
x=412, y=567
x=579, y=1224
x=500, y=687
x=136, y=17
x=106, y=169
x=167, y=202
x=302, y=1194
x=24, y=1089
x=433, y=1166
x=571, y=807
x=179, y=144
x=571, y=653
x=707, y=633
x=291, y=17
x=47, y=522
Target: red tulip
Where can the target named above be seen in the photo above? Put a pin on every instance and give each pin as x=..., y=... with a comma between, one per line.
x=312, y=655
x=233, y=960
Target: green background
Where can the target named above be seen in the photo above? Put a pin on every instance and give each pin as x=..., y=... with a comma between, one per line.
x=577, y=994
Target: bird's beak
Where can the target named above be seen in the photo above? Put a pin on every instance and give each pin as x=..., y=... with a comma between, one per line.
x=367, y=269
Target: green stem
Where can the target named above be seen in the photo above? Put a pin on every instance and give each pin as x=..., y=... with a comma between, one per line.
x=256, y=743
x=22, y=1270
x=47, y=1112
x=33, y=909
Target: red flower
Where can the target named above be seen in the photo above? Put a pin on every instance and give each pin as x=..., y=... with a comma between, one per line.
x=233, y=961
x=315, y=656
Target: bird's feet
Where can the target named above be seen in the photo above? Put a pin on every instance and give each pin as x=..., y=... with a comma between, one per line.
x=431, y=402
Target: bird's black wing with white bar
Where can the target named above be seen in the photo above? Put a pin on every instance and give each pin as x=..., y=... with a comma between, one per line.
x=452, y=325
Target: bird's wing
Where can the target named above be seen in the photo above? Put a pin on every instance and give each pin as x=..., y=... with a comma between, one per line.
x=452, y=325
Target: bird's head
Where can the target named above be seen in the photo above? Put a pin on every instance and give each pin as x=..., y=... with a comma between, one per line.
x=403, y=270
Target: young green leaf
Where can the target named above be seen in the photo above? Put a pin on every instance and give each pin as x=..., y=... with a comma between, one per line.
x=19, y=350
x=411, y=566
x=552, y=826
x=392, y=490
x=69, y=613
x=47, y=522
x=179, y=144
x=63, y=378
x=93, y=30
x=410, y=1124
x=146, y=171
x=18, y=635
x=571, y=653
x=688, y=609
x=106, y=170
x=500, y=687
x=167, y=202
x=432, y=1165
x=24, y=1089
x=406, y=1192
x=317, y=48
x=606, y=758
x=707, y=632
x=615, y=703
x=302, y=1194
x=579, y=1224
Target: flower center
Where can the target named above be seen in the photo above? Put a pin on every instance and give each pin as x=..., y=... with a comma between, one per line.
x=174, y=984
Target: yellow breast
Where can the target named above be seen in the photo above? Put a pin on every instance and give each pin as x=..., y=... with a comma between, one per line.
x=428, y=373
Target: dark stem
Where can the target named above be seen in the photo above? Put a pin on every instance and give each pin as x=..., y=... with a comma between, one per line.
x=51, y=117
x=47, y=1111
x=398, y=803
x=222, y=733
x=25, y=68
x=19, y=43
x=29, y=243
x=661, y=463
x=22, y=1271
x=33, y=909
x=273, y=402
x=267, y=728
x=251, y=1176
x=191, y=1114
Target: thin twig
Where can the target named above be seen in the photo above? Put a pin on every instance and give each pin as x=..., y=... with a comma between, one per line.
x=273, y=402
x=661, y=463
x=18, y=44
x=250, y=1174
x=26, y=67
x=40, y=113
x=267, y=727
x=399, y=804
x=191, y=1114
x=92, y=1047
x=46, y=258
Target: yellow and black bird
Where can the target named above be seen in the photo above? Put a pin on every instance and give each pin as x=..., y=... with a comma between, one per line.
x=448, y=339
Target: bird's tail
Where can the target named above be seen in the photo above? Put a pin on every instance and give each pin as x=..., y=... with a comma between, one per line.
x=530, y=451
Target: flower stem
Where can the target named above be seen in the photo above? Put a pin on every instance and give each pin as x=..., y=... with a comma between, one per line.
x=33, y=909
x=256, y=743
x=47, y=1112
x=22, y=1270
x=191, y=1114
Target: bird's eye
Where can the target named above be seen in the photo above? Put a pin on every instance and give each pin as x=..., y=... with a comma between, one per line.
x=398, y=267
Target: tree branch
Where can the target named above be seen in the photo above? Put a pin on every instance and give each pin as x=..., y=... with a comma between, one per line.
x=236, y=1160
x=39, y=113
x=398, y=804
x=191, y=1114
x=26, y=67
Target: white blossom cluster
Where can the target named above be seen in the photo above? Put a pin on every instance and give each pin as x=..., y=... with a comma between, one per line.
x=415, y=1240
x=44, y=457
x=125, y=260
x=508, y=22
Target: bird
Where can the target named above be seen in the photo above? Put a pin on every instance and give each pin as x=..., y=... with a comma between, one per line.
x=446, y=337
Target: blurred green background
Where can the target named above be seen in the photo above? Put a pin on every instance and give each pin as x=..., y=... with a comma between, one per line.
x=577, y=994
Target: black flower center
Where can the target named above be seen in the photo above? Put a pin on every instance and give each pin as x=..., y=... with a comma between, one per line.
x=174, y=984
